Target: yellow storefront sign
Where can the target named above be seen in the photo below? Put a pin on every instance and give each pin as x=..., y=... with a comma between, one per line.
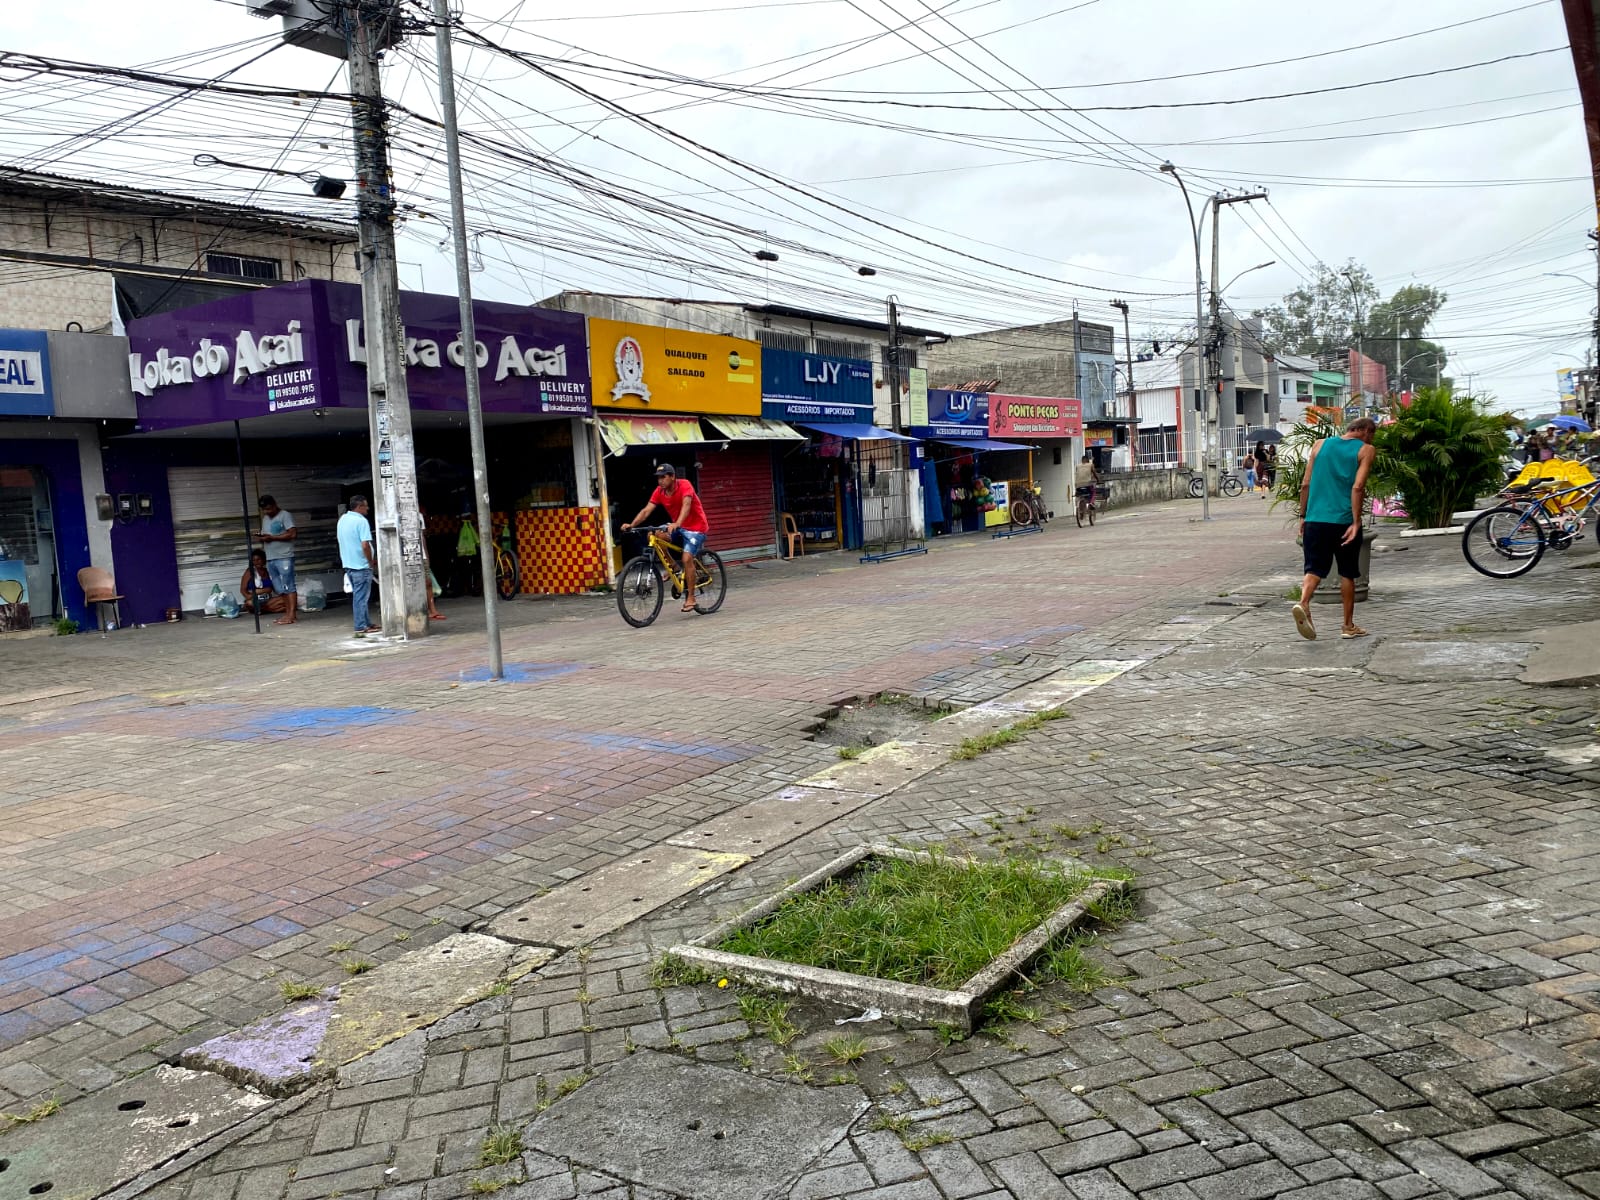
x=652, y=368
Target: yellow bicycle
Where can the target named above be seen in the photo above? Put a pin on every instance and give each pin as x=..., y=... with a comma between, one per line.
x=643, y=585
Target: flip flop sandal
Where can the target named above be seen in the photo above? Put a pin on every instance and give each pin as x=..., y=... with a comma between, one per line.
x=1355, y=631
x=1302, y=622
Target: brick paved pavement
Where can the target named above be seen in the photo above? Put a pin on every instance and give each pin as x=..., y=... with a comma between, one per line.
x=1366, y=962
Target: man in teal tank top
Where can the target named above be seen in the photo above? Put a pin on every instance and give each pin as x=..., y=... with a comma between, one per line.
x=1331, y=498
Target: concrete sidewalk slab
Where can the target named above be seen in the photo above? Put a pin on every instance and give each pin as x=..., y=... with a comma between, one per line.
x=1564, y=656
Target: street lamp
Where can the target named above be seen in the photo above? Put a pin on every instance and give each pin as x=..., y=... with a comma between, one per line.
x=323, y=187
x=1201, y=382
x=1258, y=267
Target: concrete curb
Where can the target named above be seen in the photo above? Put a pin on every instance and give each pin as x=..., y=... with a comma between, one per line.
x=961, y=1007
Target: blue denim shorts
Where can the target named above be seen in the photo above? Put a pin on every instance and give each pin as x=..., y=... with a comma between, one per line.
x=690, y=541
x=282, y=572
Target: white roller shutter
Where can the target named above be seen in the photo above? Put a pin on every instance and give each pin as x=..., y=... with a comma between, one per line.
x=208, y=526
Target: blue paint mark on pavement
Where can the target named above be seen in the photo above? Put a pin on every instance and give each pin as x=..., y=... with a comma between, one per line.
x=307, y=722
x=525, y=672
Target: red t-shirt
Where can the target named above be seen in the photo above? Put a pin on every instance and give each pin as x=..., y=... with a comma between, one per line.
x=695, y=522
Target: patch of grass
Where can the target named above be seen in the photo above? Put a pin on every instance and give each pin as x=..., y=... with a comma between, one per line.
x=934, y=922
x=923, y=1140
x=892, y=1122
x=1003, y=1007
x=38, y=1112
x=671, y=971
x=1067, y=963
x=897, y=1087
x=851, y=753
x=66, y=627
x=402, y=935
x=841, y=1077
x=292, y=990
x=796, y=1066
x=844, y=1049
x=948, y=1034
x=500, y=987
x=769, y=1015
x=340, y=947
x=982, y=743
x=502, y=1144
x=488, y=1187
x=358, y=966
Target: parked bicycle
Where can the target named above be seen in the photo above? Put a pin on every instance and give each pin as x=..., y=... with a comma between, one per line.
x=646, y=578
x=1510, y=539
x=466, y=575
x=1228, y=484
x=1027, y=506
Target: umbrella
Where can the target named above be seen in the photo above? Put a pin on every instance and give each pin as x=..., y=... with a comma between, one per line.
x=1270, y=436
x=1538, y=422
x=1570, y=422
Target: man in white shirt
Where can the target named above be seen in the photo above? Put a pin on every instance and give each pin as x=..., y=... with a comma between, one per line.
x=278, y=534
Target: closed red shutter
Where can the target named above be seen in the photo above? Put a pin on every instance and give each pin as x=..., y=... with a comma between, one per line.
x=736, y=490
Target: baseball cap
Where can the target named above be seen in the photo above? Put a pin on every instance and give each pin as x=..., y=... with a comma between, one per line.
x=666, y=469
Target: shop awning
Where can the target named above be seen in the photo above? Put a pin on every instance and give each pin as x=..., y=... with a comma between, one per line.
x=620, y=433
x=754, y=429
x=982, y=444
x=860, y=433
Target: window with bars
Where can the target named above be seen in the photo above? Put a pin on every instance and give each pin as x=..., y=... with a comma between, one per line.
x=774, y=339
x=840, y=348
x=244, y=266
x=19, y=526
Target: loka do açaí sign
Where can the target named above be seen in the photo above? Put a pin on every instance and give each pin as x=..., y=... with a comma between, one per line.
x=305, y=346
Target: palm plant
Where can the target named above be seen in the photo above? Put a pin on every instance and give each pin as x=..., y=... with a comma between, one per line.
x=1295, y=451
x=1440, y=452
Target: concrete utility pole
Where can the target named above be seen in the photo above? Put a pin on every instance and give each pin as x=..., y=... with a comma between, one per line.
x=1127, y=341
x=891, y=371
x=1214, y=390
x=397, y=533
x=469, y=337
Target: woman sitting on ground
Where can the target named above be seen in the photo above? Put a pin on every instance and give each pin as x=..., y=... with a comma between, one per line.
x=256, y=586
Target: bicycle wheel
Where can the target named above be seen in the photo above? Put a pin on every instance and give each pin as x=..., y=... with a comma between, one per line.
x=1503, y=543
x=1231, y=486
x=640, y=591
x=1079, y=513
x=507, y=575
x=1021, y=513
x=1197, y=487
x=1092, y=506
x=710, y=583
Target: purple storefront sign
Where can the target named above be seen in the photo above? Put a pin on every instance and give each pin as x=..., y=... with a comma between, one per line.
x=303, y=346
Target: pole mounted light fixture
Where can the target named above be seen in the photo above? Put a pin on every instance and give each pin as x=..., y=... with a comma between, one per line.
x=323, y=187
x=766, y=256
x=866, y=272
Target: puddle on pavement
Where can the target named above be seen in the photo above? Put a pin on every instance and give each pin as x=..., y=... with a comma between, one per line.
x=873, y=722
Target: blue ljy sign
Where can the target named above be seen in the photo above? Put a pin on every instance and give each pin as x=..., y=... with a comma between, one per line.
x=955, y=415
x=815, y=388
x=25, y=373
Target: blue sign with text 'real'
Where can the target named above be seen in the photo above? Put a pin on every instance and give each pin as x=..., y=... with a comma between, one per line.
x=818, y=388
x=25, y=373
x=953, y=414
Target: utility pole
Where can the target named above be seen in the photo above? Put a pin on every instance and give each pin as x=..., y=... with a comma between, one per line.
x=469, y=337
x=1214, y=390
x=397, y=535
x=1127, y=341
x=891, y=370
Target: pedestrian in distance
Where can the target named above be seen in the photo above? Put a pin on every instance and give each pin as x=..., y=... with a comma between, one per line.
x=1249, y=468
x=357, y=557
x=259, y=591
x=1332, y=496
x=278, y=533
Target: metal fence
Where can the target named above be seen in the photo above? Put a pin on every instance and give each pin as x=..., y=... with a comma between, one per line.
x=887, y=529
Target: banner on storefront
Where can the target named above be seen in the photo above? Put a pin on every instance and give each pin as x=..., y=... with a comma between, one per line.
x=1035, y=416
x=1567, y=386
x=655, y=368
x=1099, y=435
x=25, y=373
x=815, y=387
x=304, y=346
x=953, y=415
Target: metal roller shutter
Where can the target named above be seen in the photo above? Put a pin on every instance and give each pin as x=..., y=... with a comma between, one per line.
x=736, y=490
x=208, y=528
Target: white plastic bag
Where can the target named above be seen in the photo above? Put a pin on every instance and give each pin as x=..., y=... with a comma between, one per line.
x=313, y=596
x=213, y=599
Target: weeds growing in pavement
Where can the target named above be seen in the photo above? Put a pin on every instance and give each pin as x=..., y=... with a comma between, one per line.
x=984, y=742
x=38, y=1112
x=358, y=966
x=501, y=1145
x=768, y=1015
x=796, y=1066
x=923, y=1140
x=846, y=1049
x=292, y=990
x=488, y=1187
x=851, y=753
x=893, y=1122
x=1066, y=963
x=935, y=922
x=340, y=947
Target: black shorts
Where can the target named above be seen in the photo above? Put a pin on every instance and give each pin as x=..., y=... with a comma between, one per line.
x=1322, y=543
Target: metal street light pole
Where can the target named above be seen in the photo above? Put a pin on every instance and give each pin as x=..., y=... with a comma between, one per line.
x=1202, y=384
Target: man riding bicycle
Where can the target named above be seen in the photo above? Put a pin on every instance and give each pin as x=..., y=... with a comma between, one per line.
x=1086, y=477
x=688, y=528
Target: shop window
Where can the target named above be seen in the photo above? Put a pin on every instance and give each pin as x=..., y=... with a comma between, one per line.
x=774, y=339
x=244, y=266
x=19, y=525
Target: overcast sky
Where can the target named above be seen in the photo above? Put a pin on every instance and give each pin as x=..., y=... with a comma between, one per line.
x=972, y=213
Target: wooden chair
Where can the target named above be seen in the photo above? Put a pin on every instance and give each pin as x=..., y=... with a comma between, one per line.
x=792, y=535
x=100, y=589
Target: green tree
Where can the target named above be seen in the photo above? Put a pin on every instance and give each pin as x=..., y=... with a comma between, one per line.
x=1439, y=454
x=1320, y=319
x=1406, y=316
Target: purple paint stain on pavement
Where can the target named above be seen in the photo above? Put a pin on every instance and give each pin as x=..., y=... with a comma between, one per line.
x=277, y=1054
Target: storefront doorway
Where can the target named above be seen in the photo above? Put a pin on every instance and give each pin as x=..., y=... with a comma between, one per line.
x=30, y=584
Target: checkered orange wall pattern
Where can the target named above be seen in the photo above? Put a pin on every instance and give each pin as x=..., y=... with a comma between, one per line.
x=559, y=550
